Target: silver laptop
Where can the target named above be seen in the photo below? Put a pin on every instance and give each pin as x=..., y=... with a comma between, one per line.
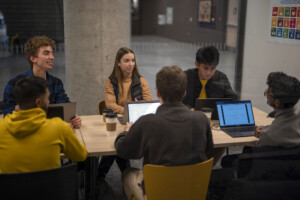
x=67, y=110
x=236, y=118
x=133, y=110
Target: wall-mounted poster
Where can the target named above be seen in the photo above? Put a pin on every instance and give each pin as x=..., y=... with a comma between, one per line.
x=284, y=24
x=204, y=14
x=161, y=19
x=169, y=15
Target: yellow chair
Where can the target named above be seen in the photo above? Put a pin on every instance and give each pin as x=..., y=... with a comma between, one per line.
x=102, y=106
x=177, y=182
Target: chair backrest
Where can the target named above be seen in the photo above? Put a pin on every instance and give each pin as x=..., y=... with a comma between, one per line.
x=59, y=184
x=177, y=182
x=258, y=162
x=102, y=106
x=1, y=107
x=266, y=173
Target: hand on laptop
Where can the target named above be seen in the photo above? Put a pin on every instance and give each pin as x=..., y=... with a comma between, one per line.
x=258, y=130
x=76, y=121
x=127, y=126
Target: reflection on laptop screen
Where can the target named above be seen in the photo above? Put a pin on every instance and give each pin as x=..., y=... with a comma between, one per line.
x=235, y=113
x=136, y=110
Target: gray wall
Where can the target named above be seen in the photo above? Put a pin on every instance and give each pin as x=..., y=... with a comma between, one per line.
x=94, y=31
x=182, y=28
x=262, y=57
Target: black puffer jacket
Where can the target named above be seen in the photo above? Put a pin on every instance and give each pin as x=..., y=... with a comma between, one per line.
x=136, y=88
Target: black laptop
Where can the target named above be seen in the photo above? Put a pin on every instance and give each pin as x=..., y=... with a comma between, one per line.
x=210, y=103
x=236, y=118
x=66, y=111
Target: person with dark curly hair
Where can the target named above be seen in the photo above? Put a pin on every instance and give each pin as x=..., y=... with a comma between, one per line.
x=39, y=53
x=282, y=94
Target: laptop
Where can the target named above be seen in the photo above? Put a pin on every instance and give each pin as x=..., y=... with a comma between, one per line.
x=236, y=118
x=66, y=111
x=133, y=110
x=210, y=103
x=57, y=111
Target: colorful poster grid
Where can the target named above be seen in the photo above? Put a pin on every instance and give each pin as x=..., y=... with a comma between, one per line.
x=286, y=22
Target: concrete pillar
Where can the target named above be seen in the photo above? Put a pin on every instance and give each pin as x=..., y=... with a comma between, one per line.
x=94, y=31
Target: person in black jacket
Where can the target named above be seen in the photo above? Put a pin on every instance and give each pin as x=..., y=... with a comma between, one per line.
x=205, y=81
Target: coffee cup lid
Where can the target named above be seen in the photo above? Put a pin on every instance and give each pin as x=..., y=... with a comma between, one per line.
x=107, y=111
x=111, y=115
x=205, y=109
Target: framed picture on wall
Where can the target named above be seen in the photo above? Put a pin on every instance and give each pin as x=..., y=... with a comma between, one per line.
x=204, y=13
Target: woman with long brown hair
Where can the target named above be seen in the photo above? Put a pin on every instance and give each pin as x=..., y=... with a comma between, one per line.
x=125, y=82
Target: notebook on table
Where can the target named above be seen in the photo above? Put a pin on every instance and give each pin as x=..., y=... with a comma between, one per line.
x=133, y=110
x=210, y=103
x=66, y=111
x=236, y=118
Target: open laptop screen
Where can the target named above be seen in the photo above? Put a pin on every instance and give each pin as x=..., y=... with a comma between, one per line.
x=235, y=113
x=138, y=109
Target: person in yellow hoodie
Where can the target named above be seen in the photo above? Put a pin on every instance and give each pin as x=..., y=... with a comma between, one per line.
x=30, y=141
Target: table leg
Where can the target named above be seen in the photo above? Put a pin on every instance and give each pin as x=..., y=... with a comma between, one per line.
x=91, y=168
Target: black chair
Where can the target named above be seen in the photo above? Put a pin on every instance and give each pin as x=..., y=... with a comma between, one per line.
x=1, y=107
x=266, y=173
x=59, y=184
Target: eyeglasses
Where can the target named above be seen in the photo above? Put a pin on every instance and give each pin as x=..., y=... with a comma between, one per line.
x=266, y=93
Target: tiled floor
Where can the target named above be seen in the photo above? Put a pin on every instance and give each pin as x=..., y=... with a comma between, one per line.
x=152, y=53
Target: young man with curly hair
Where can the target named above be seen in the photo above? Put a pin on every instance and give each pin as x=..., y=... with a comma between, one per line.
x=175, y=135
x=39, y=53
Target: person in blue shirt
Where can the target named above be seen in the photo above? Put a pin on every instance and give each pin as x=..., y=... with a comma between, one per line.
x=39, y=53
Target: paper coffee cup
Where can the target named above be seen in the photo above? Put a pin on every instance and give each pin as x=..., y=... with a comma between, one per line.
x=207, y=112
x=104, y=113
x=111, y=124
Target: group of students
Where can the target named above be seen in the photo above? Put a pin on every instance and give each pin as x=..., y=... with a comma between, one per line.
x=175, y=135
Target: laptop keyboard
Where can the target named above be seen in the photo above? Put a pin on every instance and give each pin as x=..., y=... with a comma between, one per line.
x=240, y=129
